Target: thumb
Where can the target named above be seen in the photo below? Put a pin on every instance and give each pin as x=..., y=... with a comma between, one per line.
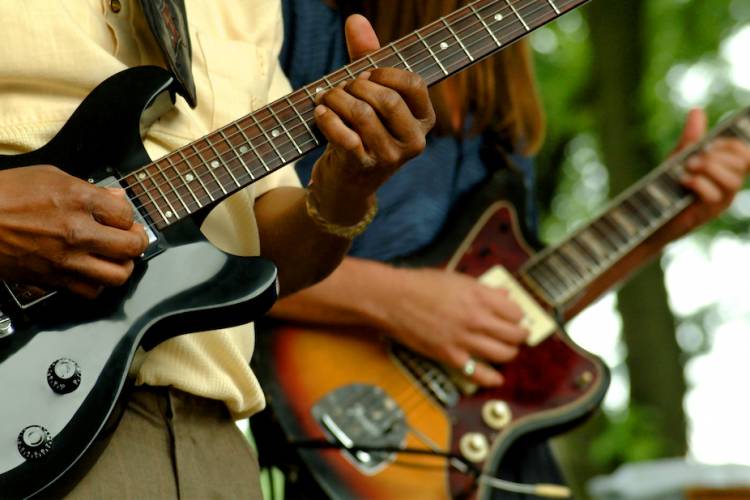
x=360, y=37
x=695, y=127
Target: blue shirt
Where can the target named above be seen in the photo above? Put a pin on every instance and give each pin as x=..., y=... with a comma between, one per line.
x=414, y=203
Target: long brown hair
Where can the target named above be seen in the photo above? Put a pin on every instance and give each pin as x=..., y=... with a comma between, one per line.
x=499, y=92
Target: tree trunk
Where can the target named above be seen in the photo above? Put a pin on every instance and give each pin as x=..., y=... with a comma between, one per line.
x=657, y=384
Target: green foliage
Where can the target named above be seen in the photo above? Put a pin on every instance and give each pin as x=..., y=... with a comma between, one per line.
x=630, y=437
x=686, y=64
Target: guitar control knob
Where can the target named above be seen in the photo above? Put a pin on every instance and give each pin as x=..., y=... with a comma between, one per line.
x=474, y=447
x=34, y=442
x=496, y=414
x=64, y=376
x=6, y=326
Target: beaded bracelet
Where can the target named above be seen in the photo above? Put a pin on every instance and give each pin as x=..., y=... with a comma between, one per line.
x=348, y=232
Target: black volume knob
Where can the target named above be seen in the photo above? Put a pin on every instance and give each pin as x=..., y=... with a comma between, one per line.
x=64, y=376
x=34, y=442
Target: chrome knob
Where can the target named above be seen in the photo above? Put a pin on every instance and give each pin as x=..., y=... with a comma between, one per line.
x=64, y=376
x=34, y=442
x=496, y=414
x=6, y=326
x=474, y=446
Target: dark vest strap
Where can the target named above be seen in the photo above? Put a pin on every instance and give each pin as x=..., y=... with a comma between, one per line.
x=168, y=22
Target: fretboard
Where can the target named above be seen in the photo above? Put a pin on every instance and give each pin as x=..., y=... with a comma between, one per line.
x=561, y=272
x=208, y=170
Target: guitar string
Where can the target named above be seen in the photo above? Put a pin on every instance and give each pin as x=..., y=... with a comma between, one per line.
x=286, y=144
x=281, y=144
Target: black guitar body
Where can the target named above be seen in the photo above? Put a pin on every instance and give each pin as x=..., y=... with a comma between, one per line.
x=182, y=284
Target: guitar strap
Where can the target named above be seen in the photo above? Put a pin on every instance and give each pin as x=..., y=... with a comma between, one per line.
x=168, y=22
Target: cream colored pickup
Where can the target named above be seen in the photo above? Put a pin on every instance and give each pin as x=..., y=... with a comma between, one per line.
x=536, y=320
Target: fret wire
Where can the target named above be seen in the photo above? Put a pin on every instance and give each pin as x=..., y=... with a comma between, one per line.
x=562, y=257
x=263, y=131
x=185, y=184
x=252, y=147
x=197, y=176
x=447, y=25
x=562, y=285
x=474, y=10
x=148, y=193
x=518, y=15
x=400, y=56
x=608, y=232
x=623, y=222
x=671, y=185
x=236, y=153
x=486, y=26
x=557, y=11
x=546, y=285
x=591, y=240
x=349, y=72
x=220, y=161
x=304, y=122
x=650, y=207
x=171, y=210
x=276, y=117
x=658, y=195
x=564, y=267
x=371, y=61
x=637, y=216
x=585, y=251
x=677, y=191
x=431, y=52
x=209, y=167
x=542, y=284
x=576, y=257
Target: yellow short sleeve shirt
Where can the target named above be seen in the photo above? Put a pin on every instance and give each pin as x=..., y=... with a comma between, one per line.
x=53, y=53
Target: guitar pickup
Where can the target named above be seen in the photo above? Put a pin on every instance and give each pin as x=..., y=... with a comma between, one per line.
x=137, y=215
x=536, y=320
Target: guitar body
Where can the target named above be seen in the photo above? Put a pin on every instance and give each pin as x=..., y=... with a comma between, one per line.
x=182, y=284
x=548, y=388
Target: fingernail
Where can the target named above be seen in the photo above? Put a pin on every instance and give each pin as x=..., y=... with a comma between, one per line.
x=365, y=75
x=693, y=163
x=320, y=110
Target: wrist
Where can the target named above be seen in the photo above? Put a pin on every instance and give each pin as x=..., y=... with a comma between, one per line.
x=355, y=222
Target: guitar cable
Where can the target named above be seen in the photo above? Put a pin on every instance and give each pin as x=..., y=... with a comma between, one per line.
x=462, y=465
x=456, y=461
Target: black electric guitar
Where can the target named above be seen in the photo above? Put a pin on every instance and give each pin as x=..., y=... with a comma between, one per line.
x=63, y=360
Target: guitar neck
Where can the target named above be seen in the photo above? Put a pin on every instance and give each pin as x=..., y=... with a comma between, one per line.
x=561, y=272
x=208, y=170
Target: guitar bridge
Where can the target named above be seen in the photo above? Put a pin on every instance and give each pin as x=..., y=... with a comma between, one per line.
x=361, y=415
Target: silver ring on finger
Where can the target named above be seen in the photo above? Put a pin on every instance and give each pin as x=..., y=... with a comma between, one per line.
x=469, y=367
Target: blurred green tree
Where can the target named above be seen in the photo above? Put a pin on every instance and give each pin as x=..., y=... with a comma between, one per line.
x=612, y=77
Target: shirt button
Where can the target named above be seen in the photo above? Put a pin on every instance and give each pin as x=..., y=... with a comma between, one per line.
x=115, y=5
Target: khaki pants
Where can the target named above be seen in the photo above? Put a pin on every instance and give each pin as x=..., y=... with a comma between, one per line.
x=168, y=445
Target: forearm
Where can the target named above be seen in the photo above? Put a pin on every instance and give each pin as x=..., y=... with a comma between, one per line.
x=355, y=294
x=303, y=252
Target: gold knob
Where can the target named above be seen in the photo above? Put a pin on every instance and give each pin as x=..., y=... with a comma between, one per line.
x=496, y=414
x=474, y=446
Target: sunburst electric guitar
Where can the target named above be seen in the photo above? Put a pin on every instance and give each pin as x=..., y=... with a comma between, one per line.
x=350, y=401
x=64, y=360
